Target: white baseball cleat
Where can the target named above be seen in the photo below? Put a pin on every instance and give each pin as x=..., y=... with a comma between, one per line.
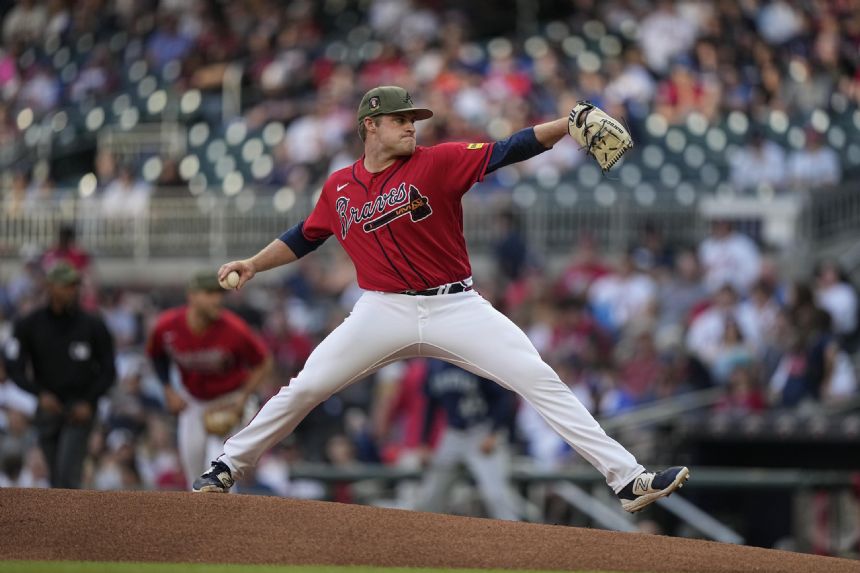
x=646, y=488
x=217, y=479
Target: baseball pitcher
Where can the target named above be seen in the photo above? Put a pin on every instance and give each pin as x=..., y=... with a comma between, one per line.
x=397, y=213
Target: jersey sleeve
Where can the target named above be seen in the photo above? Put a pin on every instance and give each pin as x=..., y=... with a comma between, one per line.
x=318, y=226
x=461, y=164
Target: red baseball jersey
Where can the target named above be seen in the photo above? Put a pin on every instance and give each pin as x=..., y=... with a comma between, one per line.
x=403, y=227
x=212, y=363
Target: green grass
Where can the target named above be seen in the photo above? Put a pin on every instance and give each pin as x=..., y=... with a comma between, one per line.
x=116, y=567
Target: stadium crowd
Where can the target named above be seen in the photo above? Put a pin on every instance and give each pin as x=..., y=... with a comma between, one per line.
x=485, y=72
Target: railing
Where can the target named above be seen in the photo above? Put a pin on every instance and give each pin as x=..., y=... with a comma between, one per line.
x=215, y=226
x=833, y=213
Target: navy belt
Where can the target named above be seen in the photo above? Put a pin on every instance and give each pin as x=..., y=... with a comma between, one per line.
x=450, y=288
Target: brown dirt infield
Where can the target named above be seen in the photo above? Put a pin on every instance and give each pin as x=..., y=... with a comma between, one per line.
x=184, y=527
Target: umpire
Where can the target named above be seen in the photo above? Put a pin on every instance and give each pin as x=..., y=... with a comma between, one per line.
x=65, y=356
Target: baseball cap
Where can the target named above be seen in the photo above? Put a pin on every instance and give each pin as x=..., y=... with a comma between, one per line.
x=389, y=99
x=63, y=273
x=204, y=280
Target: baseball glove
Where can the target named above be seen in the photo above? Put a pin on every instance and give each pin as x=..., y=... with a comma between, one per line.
x=219, y=420
x=601, y=136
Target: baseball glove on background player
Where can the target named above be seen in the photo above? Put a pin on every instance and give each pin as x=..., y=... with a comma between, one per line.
x=220, y=419
x=602, y=137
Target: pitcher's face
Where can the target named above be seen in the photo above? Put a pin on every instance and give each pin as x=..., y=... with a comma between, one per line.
x=396, y=133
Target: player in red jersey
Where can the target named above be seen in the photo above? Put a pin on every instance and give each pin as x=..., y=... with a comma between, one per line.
x=397, y=212
x=220, y=361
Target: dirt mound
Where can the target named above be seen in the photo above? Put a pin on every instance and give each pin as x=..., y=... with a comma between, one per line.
x=184, y=527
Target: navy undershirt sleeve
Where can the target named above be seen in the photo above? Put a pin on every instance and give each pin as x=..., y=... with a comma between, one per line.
x=520, y=146
x=295, y=240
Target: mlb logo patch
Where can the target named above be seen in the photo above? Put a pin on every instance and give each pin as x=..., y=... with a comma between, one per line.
x=475, y=146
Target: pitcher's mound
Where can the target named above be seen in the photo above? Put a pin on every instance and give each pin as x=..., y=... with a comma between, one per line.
x=184, y=527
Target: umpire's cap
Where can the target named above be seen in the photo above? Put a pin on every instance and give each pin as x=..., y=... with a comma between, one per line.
x=389, y=99
x=204, y=280
x=63, y=273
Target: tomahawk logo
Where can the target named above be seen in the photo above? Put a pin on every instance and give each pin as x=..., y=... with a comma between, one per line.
x=373, y=213
x=417, y=208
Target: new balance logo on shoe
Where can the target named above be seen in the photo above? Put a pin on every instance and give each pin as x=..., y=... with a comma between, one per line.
x=648, y=487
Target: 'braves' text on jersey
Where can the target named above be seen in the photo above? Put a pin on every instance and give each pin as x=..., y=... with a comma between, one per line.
x=403, y=227
x=212, y=363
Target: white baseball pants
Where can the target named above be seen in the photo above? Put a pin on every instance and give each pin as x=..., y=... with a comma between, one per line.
x=461, y=328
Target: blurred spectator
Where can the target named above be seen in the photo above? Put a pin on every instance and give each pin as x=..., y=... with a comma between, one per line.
x=664, y=33
x=290, y=347
x=779, y=21
x=729, y=257
x=683, y=93
x=708, y=329
x=679, y=294
x=23, y=469
x=273, y=473
x=117, y=468
x=806, y=86
x=169, y=177
x=577, y=337
x=157, y=458
x=762, y=310
x=24, y=288
x=759, y=164
x=732, y=352
x=634, y=85
x=126, y=197
x=64, y=356
x=835, y=294
x=15, y=194
x=168, y=43
x=67, y=250
x=511, y=251
x=25, y=22
x=95, y=79
x=40, y=89
x=815, y=165
x=744, y=394
x=640, y=368
x=652, y=250
x=840, y=377
x=340, y=453
x=793, y=382
x=625, y=296
x=584, y=268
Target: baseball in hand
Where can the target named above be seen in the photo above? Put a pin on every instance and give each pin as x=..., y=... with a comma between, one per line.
x=231, y=281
